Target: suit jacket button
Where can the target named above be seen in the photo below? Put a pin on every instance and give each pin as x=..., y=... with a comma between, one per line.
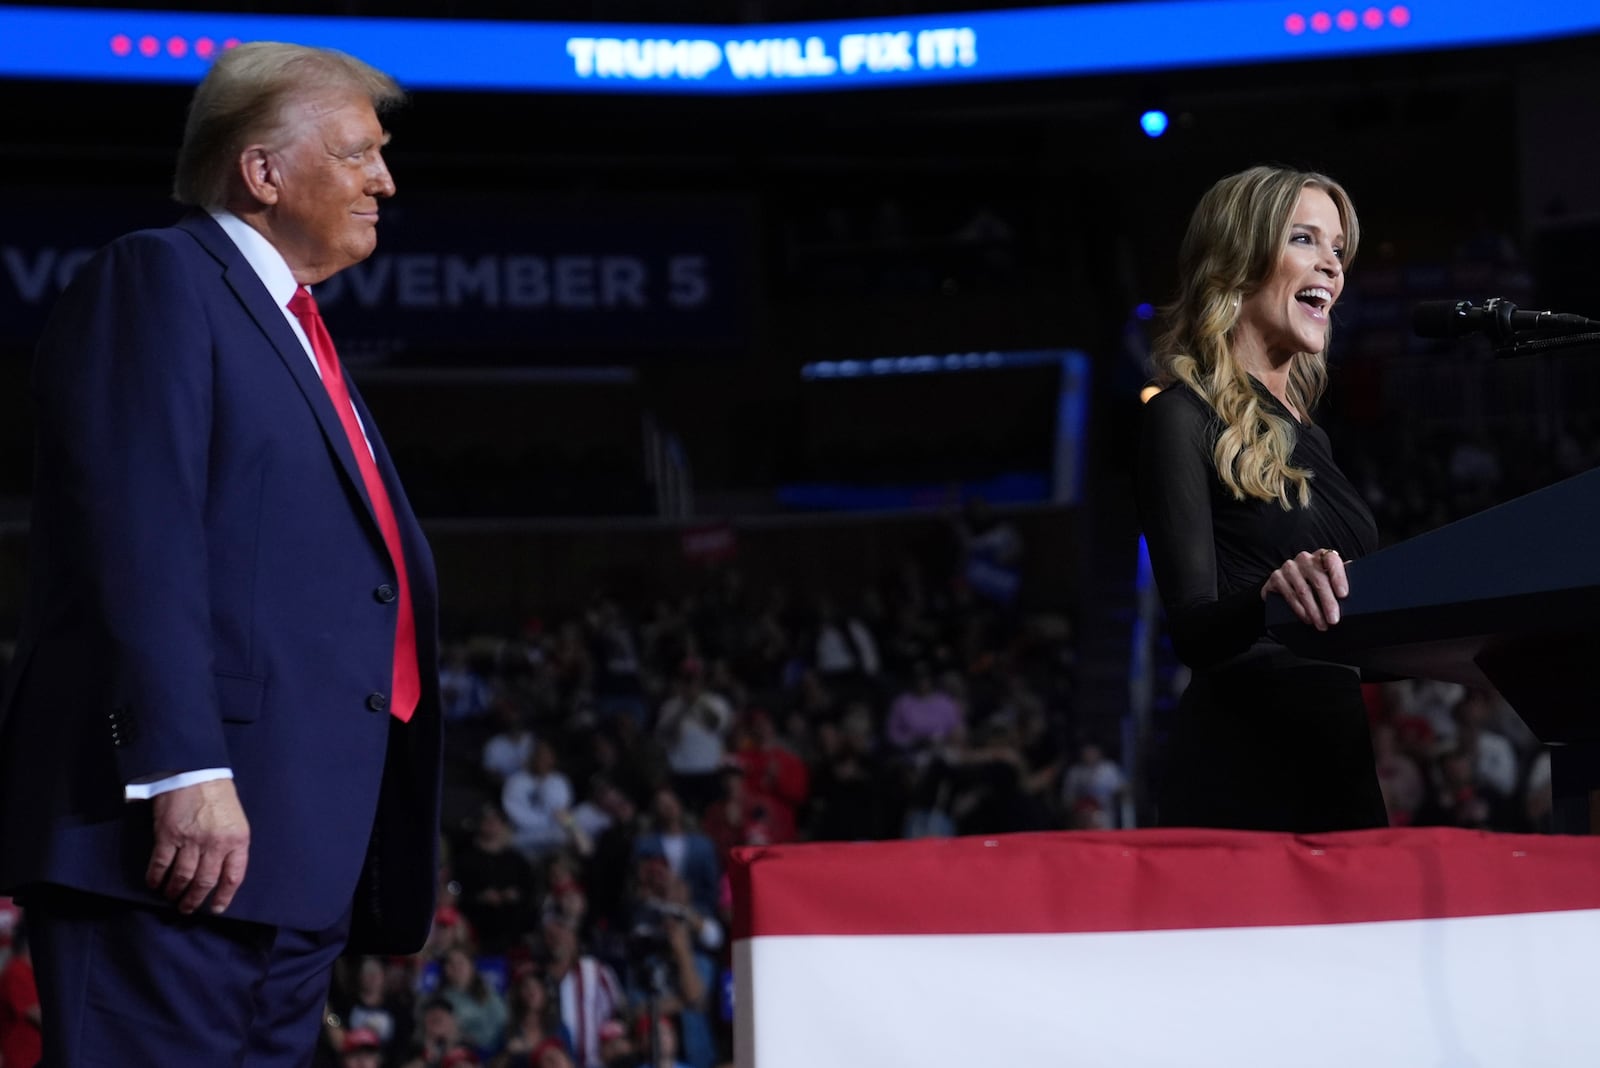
x=384, y=594
x=377, y=702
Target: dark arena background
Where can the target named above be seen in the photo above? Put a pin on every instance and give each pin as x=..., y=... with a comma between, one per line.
x=804, y=396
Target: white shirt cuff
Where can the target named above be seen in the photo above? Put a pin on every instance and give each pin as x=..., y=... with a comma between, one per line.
x=144, y=791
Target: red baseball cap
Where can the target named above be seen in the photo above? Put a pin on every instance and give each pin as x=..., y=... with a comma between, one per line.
x=358, y=1038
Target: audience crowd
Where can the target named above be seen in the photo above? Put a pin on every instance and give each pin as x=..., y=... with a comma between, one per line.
x=601, y=767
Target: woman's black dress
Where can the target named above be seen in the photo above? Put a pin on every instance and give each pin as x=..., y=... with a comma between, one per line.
x=1263, y=739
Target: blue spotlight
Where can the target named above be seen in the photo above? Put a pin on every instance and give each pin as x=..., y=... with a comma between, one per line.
x=1145, y=311
x=1153, y=123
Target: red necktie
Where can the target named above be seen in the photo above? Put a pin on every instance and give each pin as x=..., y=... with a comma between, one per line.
x=407, y=687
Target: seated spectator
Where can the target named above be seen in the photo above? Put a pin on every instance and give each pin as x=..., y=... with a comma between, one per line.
x=721, y=680
x=1087, y=815
x=537, y=800
x=550, y=1054
x=668, y=637
x=438, y=1036
x=658, y=893
x=1095, y=777
x=378, y=1011
x=606, y=869
x=854, y=800
x=616, y=1044
x=1398, y=776
x=1495, y=764
x=535, y=1020
x=990, y=785
x=450, y=929
x=618, y=677
x=774, y=775
x=670, y=968
x=743, y=818
x=361, y=1049
x=630, y=757
x=844, y=651
x=480, y=1012
x=591, y=814
x=1433, y=703
x=499, y=888
x=572, y=670
x=1039, y=740
x=565, y=895
x=1456, y=800
x=815, y=700
x=767, y=650
x=463, y=693
x=690, y=854
x=923, y=717
x=667, y=1045
x=588, y=992
x=692, y=725
x=508, y=750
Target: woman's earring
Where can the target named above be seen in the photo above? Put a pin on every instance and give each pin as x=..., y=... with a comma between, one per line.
x=1238, y=302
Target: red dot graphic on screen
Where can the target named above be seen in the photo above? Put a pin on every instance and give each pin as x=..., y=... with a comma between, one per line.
x=177, y=47
x=1322, y=22
x=1295, y=24
x=205, y=46
x=122, y=44
x=1347, y=20
x=1400, y=15
x=149, y=46
x=1372, y=17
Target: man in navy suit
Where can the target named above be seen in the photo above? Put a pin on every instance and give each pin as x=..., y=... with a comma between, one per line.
x=220, y=740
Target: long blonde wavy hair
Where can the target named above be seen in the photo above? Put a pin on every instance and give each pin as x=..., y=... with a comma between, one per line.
x=1235, y=240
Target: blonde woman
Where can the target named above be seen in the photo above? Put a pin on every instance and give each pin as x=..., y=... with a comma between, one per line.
x=1241, y=500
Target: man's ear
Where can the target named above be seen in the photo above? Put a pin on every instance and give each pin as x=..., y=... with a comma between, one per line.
x=258, y=172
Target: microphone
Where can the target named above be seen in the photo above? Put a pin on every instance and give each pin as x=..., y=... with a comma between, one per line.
x=1498, y=318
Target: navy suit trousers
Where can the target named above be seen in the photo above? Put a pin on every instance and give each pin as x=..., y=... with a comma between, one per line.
x=131, y=986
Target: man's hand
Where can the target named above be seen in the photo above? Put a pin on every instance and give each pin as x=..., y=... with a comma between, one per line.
x=202, y=845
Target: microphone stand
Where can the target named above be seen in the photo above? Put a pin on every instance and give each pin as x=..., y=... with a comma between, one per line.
x=1511, y=345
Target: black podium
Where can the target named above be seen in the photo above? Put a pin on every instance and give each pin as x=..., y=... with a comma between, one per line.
x=1508, y=598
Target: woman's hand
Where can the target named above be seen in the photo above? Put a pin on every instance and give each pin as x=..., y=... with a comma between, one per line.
x=1312, y=583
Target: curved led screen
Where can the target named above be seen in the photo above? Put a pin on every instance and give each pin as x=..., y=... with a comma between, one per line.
x=153, y=46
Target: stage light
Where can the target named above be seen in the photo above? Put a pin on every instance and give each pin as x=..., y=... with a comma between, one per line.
x=1145, y=311
x=1153, y=123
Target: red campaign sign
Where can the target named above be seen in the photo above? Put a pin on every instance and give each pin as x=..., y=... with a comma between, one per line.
x=710, y=544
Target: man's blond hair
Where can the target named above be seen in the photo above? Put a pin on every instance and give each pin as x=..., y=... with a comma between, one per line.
x=245, y=97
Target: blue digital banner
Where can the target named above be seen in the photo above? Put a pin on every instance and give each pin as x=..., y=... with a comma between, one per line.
x=846, y=54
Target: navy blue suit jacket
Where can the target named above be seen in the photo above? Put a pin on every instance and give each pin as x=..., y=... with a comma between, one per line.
x=209, y=588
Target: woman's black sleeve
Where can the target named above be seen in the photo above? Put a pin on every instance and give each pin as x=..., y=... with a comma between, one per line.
x=1175, y=475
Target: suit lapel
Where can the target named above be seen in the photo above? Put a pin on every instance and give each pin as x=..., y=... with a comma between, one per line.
x=257, y=303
